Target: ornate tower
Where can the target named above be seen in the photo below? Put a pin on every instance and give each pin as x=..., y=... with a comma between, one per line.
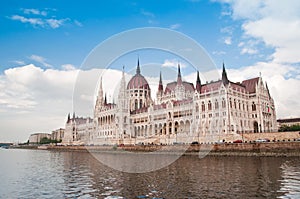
x=99, y=101
x=160, y=89
x=123, y=112
x=198, y=83
x=179, y=89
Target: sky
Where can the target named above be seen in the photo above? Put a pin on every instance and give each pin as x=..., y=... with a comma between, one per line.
x=44, y=43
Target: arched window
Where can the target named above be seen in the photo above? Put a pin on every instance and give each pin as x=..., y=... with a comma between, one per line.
x=197, y=108
x=253, y=106
x=223, y=103
x=135, y=104
x=230, y=102
x=234, y=104
x=203, y=106
x=209, y=105
x=141, y=103
x=216, y=104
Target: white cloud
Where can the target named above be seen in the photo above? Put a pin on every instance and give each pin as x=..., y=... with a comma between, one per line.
x=219, y=52
x=228, y=30
x=276, y=23
x=39, y=99
x=19, y=62
x=68, y=67
x=249, y=51
x=78, y=23
x=40, y=60
x=173, y=63
x=147, y=14
x=175, y=26
x=42, y=20
x=56, y=23
x=32, y=21
x=34, y=11
x=228, y=41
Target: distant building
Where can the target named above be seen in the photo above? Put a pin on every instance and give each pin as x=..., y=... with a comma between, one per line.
x=288, y=122
x=36, y=137
x=77, y=130
x=181, y=112
x=57, y=134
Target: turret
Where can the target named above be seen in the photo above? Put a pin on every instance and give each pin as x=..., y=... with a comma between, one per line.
x=160, y=84
x=105, y=100
x=224, y=76
x=198, y=83
x=179, y=79
x=68, y=120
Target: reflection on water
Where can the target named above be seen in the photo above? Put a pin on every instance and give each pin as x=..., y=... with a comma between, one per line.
x=290, y=184
x=47, y=174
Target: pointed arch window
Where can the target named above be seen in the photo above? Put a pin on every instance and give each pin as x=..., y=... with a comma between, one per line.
x=141, y=103
x=253, y=106
x=216, y=104
x=223, y=103
x=209, y=105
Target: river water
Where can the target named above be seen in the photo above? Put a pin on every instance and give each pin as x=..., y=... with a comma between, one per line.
x=50, y=174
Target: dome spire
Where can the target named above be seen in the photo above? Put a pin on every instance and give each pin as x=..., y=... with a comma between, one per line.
x=138, y=69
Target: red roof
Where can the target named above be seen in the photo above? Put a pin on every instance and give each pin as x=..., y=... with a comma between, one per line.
x=250, y=84
x=138, y=81
x=211, y=86
x=187, y=85
x=237, y=86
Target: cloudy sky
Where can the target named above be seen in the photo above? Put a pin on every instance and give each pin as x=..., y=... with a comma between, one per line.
x=44, y=43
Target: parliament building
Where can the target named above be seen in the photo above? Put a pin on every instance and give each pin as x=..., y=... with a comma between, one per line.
x=182, y=112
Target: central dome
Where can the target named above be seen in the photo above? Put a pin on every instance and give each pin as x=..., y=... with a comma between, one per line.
x=138, y=81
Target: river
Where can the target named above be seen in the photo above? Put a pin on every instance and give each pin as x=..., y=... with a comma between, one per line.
x=52, y=174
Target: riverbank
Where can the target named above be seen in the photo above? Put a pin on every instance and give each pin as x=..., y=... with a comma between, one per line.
x=282, y=149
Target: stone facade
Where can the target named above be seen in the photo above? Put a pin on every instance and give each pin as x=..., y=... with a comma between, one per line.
x=289, y=122
x=36, y=137
x=57, y=134
x=181, y=113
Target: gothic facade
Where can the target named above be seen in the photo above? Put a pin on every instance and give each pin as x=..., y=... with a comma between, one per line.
x=181, y=113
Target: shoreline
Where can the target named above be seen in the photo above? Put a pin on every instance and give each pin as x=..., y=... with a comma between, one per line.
x=270, y=149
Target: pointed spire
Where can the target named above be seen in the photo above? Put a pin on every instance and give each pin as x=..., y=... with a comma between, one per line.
x=73, y=115
x=105, y=101
x=138, y=69
x=160, y=85
x=68, y=118
x=179, y=80
x=198, y=83
x=224, y=75
x=268, y=90
x=100, y=92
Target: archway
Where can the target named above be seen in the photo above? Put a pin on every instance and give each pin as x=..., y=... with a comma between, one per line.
x=255, y=126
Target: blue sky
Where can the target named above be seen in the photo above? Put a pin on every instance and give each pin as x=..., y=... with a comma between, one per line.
x=84, y=24
x=44, y=43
